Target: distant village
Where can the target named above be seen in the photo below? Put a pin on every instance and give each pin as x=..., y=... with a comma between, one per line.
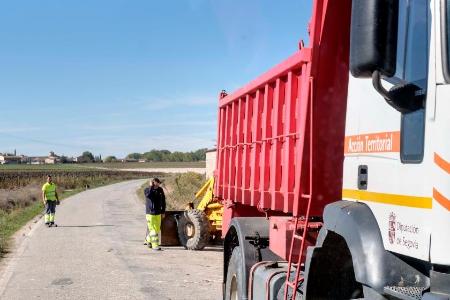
x=51, y=159
x=87, y=157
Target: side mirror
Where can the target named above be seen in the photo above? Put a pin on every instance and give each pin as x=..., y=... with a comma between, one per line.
x=373, y=37
x=405, y=98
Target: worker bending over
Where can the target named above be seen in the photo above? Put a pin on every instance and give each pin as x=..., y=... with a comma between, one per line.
x=50, y=199
x=155, y=207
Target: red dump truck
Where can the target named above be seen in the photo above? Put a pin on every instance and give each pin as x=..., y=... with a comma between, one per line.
x=334, y=166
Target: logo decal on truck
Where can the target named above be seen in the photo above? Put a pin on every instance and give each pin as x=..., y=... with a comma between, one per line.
x=401, y=234
x=373, y=142
x=392, y=228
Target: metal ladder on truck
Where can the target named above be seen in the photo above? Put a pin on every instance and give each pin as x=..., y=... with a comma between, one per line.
x=301, y=220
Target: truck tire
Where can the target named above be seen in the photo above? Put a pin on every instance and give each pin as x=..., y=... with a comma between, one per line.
x=234, y=286
x=194, y=229
x=331, y=273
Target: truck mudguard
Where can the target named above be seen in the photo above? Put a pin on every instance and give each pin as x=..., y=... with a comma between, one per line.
x=374, y=267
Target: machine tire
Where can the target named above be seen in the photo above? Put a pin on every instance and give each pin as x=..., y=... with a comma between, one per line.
x=194, y=229
x=234, y=286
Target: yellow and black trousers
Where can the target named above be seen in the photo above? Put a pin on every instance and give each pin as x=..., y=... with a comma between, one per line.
x=50, y=209
x=153, y=229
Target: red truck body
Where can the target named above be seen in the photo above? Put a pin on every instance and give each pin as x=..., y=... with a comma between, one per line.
x=280, y=138
x=280, y=161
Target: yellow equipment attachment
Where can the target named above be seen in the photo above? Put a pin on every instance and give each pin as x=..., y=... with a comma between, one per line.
x=194, y=228
x=210, y=205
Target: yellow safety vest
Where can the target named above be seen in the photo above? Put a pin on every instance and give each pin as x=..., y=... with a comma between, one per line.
x=49, y=190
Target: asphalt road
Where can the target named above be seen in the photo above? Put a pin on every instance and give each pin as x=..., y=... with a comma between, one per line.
x=96, y=252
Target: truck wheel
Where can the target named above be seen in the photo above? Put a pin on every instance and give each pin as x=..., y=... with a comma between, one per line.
x=331, y=272
x=234, y=289
x=194, y=229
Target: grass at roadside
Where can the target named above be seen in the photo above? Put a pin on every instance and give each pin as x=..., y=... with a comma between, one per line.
x=12, y=220
x=179, y=189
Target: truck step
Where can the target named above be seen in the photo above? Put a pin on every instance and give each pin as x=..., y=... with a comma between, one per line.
x=405, y=293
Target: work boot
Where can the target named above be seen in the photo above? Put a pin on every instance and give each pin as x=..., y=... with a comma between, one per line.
x=156, y=248
x=47, y=224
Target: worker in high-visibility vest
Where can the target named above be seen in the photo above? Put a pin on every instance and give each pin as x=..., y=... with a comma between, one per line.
x=155, y=207
x=50, y=199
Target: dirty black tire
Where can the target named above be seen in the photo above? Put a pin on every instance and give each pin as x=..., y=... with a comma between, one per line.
x=235, y=284
x=194, y=229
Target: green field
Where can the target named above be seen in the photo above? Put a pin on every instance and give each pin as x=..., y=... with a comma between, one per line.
x=60, y=167
x=149, y=165
x=90, y=166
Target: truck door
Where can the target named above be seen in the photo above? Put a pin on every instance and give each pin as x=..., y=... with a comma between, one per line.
x=386, y=156
x=440, y=130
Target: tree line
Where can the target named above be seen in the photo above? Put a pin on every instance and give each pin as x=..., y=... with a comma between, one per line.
x=88, y=157
x=165, y=156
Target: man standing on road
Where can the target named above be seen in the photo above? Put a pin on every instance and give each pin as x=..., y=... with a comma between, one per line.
x=50, y=199
x=155, y=207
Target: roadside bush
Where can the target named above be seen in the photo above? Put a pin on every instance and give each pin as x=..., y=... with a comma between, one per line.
x=181, y=189
x=19, y=198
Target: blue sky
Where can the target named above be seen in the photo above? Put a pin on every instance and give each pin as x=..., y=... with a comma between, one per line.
x=115, y=77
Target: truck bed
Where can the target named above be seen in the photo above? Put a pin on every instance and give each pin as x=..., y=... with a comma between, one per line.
x=268, y=129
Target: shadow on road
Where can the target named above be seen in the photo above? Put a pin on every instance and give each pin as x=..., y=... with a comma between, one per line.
x=83, y=226
x=213, y=249
x=207, y=249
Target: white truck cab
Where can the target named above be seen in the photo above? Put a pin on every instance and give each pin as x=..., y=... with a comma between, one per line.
x=387, y=237
x=397, y=145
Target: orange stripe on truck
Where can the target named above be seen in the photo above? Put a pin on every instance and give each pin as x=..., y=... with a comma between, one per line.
x=373, y=142
x=442, y=163
x=441, y=199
